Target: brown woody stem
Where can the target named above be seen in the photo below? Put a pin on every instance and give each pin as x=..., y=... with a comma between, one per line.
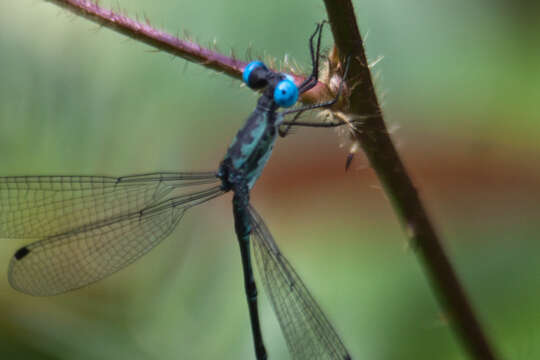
x=375, y=140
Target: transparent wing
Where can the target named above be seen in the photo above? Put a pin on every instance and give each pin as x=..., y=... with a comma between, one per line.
x=100, y=244
x=39, y=206
x=308, y=332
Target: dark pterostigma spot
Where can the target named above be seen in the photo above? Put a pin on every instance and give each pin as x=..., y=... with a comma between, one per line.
x=22, y=252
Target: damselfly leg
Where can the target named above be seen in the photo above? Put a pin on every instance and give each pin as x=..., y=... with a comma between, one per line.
x=335, y=123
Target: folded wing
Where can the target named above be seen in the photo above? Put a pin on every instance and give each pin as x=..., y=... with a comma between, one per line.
x=90, y=227
x=308, y=332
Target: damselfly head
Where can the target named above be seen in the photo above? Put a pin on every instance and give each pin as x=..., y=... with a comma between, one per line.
x=281, y=87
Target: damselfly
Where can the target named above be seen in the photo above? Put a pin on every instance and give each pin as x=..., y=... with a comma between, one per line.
x=89, y=227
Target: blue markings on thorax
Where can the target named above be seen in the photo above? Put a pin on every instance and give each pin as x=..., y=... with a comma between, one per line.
x=248, y=140
x=253, y=145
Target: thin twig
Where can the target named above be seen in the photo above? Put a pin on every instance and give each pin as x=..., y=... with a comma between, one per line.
x=378, y=147
x=191, y=51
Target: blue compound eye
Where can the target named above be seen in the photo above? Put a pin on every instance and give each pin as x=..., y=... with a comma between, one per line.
x=286, y=92
x=254, y=75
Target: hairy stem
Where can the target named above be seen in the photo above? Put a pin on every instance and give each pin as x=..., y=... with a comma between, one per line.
x=375, y=140
x=191, y=51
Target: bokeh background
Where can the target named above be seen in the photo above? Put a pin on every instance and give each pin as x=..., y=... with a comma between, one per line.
x=460, y=83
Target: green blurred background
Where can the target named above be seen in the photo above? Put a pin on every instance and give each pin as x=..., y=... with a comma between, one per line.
x=460, y=83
